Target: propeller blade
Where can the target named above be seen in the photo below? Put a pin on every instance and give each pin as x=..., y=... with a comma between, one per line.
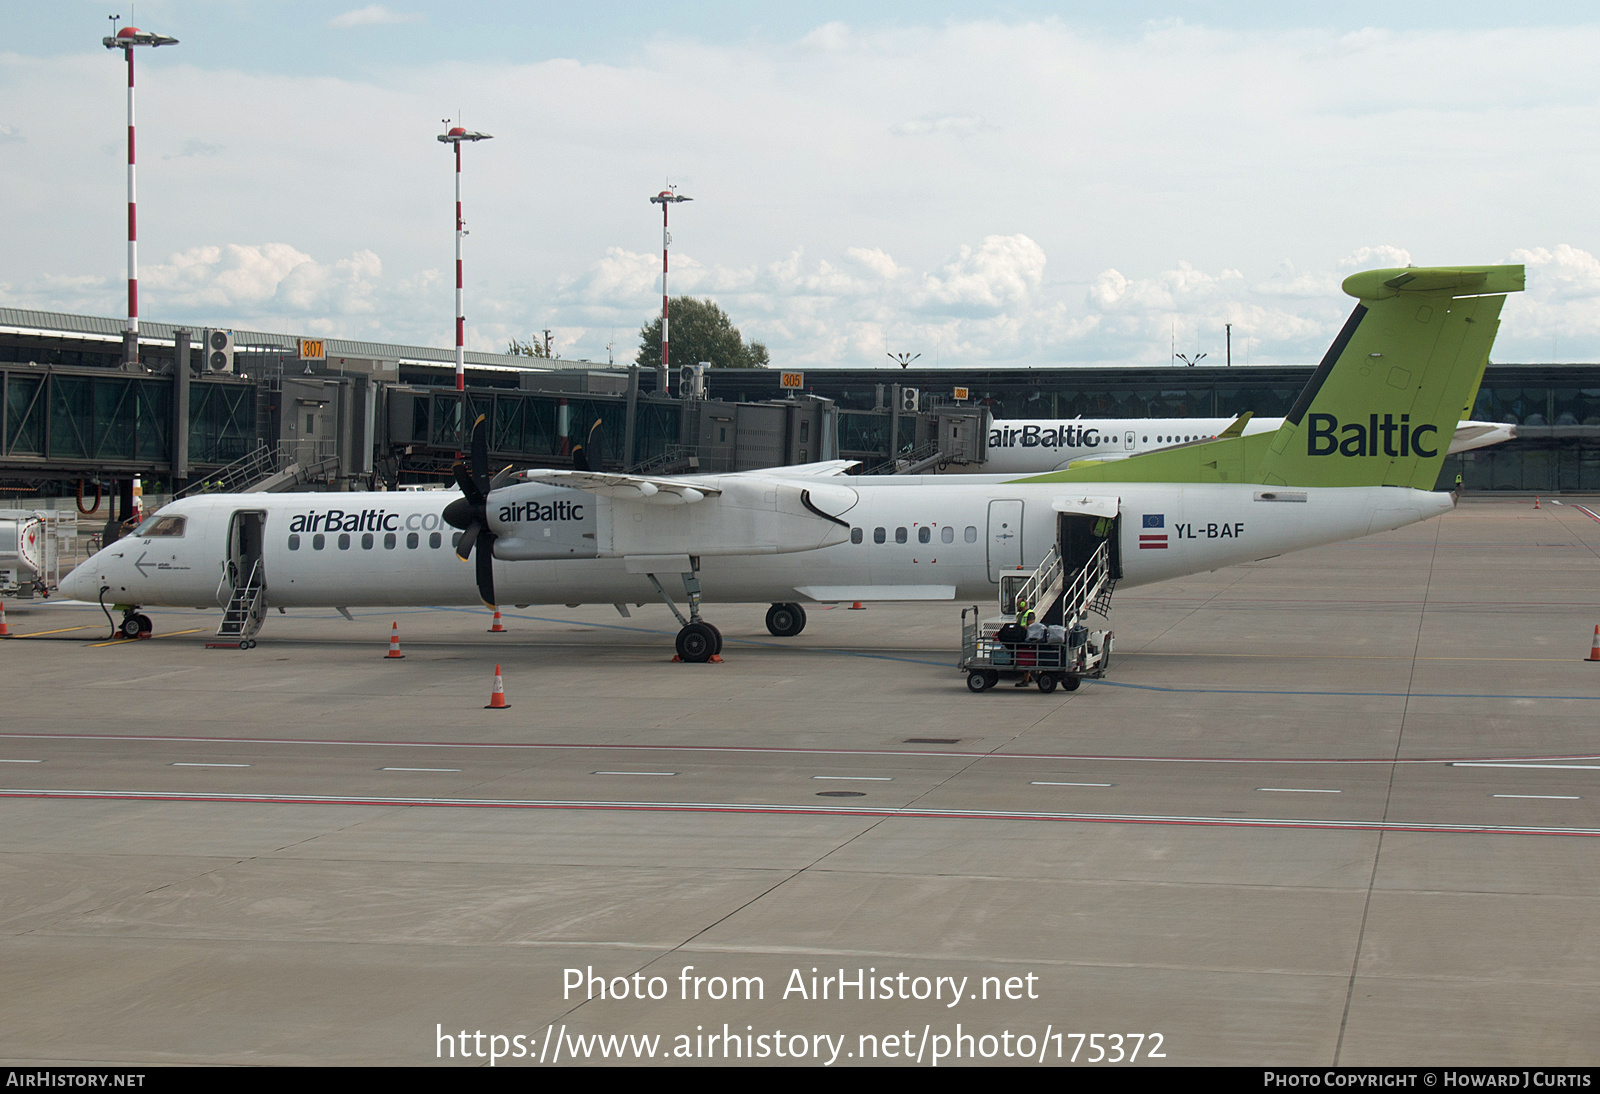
x=594, y=454
x=485, y=562
x=480, y=453
x=469, y=488
x=468, y=538
x=580, y=458
x=501, y=478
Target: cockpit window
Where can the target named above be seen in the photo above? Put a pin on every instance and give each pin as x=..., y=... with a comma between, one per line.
x=159, y=525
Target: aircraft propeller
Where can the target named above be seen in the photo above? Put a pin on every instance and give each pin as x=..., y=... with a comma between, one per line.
x=594, y=443
x=470, y=512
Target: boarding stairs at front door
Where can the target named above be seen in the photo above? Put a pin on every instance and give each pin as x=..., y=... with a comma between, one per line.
x=246, y=608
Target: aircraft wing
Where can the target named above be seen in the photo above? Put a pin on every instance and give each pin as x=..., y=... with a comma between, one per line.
x=673, y=491
x=810, y=470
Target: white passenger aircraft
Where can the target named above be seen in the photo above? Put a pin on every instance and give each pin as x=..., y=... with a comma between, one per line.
x=1359, y=453
x=1020, y=446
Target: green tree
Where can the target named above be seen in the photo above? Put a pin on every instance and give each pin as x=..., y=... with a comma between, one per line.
x=701, y=331
x=527, y=349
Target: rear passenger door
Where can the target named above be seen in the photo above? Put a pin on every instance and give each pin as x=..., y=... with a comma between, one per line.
x=1005, y=537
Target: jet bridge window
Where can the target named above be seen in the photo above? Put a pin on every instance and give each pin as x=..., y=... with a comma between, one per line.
x=294, y=543
x=947, y=534
x=924, y=534
x=856, y=536
x=880, y=536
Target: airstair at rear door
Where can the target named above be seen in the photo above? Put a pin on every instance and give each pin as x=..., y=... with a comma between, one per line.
x=1052, y=587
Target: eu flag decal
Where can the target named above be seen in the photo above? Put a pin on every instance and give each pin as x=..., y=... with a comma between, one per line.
x=1155, y=520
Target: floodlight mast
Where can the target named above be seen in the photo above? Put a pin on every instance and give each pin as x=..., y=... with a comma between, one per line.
x=126, y=39
x=455, y=135
x=664, y=199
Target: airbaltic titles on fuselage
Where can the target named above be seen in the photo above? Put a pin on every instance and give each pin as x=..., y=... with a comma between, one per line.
x=364, y=520
x=1034, y=436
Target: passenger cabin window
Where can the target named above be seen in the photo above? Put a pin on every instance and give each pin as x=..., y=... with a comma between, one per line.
x=879, y=536
x=159, y=525
x=972, y=533
x=388, y=541
x=924, y=535
x=344, y=541
x=455, y=540
x=317, y=541
x=900, y=535
x=434, y=539
x=366, y=541
x=412, y=540
x=294, y=543
x=856, y=536
x=947, y=534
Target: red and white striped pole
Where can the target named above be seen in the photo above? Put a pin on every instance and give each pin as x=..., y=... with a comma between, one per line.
x=665, y=198
x=125, y=39
x=455, y=135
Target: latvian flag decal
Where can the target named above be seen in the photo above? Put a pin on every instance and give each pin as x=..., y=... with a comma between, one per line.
x=1153, y=540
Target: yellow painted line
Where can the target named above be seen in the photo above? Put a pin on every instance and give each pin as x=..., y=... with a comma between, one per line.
x=197, y=630
x=35, y=634
x=122, y=641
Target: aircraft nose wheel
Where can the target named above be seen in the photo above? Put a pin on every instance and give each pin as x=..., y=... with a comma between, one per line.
x=134, y=624
x=786, y=620
x=698, y=643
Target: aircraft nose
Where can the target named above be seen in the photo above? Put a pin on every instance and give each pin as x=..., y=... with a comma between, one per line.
x=77, y=584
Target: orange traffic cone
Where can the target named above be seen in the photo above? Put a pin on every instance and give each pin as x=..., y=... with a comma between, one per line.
x=497, y=698
x=856, y=607
x=1536, y=501
x=497, y=628
x=3, y=632
x=1594, y=649
x=394, y=644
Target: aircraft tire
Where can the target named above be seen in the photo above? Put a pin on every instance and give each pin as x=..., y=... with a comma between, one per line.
x=1046, y=682
x=697, y=643
x=715, y=633
x=145, y=626
x=786, y=620
x=977, y=682
x=130, y=626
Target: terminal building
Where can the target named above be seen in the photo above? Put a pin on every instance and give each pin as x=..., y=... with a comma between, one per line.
x=247, y=410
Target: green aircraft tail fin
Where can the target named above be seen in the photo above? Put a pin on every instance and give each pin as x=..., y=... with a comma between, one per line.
x=1381, y=408
x=1383, y=404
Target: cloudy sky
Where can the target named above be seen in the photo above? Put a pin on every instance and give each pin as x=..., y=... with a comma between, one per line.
x=1021, y=183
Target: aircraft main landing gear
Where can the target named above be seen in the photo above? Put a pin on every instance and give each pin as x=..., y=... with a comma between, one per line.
x=786, y=620
x=698, y=641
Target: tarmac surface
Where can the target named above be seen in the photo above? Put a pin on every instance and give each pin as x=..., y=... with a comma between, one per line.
x=1339, y=807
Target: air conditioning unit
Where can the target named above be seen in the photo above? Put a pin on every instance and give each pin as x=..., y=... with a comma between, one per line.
x=910, y=399
x=692, y=381
x=218, y=350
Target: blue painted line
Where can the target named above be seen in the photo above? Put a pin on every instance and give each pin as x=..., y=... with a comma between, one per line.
x=734, y=641
x=1357, y=694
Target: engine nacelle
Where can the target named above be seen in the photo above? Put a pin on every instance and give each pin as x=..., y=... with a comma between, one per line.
x=534, y=521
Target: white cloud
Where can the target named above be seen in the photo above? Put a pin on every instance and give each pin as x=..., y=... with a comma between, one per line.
x=373, y=15
x=831, y=215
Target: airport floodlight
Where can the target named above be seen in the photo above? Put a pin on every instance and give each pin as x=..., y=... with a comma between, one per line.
x=665, y=198
x=126, y=39
x=904, y=358
x=456, y=135
x=1184, y=357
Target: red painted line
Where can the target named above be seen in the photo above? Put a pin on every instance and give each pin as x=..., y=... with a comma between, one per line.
x=799, y=810
x=778, y=751
x=1586, y=511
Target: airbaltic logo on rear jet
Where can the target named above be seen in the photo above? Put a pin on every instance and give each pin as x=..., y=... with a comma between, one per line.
x=532, y=511
x=1033, y=436
x=1397, y=438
